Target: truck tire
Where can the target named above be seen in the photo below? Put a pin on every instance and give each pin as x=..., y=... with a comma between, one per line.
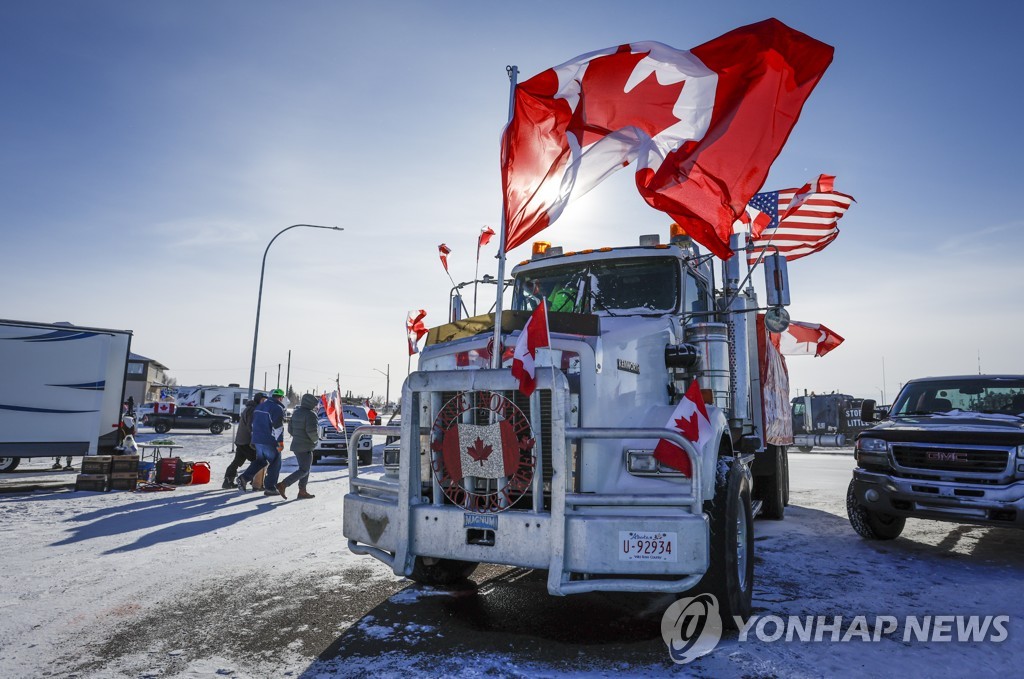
x=9, y=464
x=161, y=427
x=216, y=428
x=872, y=525
x=430, y=571
x=365, y=457
x=806, y=449
x=785, y=466
x=316, y=459
x=771, y=490
x=730, y=576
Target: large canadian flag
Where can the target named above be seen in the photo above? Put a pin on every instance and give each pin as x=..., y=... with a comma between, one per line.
x=703, y=126
x=415, y=329
x=690, y=418
x=484, y=451
x=524, y=358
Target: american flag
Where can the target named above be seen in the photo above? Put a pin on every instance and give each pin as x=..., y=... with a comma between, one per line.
x=796, y=221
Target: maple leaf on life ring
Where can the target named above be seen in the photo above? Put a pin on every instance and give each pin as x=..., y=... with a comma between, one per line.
x=479, y=451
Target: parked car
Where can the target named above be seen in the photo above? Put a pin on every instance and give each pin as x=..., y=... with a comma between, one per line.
x=949, y=449
x=190, y=417
x=333, y=443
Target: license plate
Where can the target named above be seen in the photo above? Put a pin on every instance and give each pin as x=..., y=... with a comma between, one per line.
x=647, y=546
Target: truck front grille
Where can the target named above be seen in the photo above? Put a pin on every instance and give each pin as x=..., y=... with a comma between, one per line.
x=523, y=403
x=954, y=459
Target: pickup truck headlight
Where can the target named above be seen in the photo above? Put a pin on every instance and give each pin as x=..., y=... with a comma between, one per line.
x=1020, y=451
x=871, y=451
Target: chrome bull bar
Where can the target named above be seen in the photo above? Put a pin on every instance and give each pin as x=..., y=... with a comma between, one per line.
x=396, y=505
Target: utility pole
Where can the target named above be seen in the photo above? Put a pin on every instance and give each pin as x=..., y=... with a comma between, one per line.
x=278, y=375
x=264, y=381
x=288, y=375
x=387, y=387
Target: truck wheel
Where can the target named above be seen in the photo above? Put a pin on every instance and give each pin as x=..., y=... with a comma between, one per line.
x=430, y=571
x=365, y=457
x=161, y=428
x=730, y=576
x=806, y=449
x=785, y=467
x=872, y=525
x=316, y=459
x=771, y=490
x=216, y=428
x=9, y=464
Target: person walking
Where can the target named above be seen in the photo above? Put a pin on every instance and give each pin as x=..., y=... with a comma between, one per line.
x=244, y=450
x=305, y=436
x=267, y=434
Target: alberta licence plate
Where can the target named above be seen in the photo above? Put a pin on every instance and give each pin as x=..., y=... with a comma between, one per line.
x=647, y=546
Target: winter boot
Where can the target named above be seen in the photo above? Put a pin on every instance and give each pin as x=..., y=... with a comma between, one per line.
x=303, y=495
x=229, y=482
x=280, y=489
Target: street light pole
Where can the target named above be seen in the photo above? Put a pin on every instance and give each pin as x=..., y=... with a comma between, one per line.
x=387, y=385
x=259, y=298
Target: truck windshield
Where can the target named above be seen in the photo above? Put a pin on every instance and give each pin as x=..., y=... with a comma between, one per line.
x=647, y=285
x=981, y=395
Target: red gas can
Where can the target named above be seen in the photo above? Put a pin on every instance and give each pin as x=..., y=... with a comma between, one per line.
x=200, y=472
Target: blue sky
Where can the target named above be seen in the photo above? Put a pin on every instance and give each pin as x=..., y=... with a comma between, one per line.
x=149, y=151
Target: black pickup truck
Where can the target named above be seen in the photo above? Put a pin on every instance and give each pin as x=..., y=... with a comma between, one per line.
x=949, y=449
x=190, y=417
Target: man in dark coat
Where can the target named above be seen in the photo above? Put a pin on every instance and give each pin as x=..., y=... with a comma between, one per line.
x=244, y=450
x=267, y=434
x=305, y=435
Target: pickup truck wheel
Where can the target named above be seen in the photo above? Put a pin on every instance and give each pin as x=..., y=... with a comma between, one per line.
x=872, y=525
x=730, y=576
x=365, y=457
x=9, y=464
x=216, y=428
x=316, y=459
x=430, y=571
x=771, y=490
x=161, y=428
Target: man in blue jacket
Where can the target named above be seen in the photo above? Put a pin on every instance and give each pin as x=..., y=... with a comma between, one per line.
x=267, y=433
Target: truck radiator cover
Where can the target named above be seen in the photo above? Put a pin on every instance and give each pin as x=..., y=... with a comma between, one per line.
x=951, y=458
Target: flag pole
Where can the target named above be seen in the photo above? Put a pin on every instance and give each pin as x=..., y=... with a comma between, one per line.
x=513, y=74
x=476, y=273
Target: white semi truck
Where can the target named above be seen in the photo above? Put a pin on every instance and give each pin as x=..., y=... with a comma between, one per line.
x=566, y=480
x=61, y=389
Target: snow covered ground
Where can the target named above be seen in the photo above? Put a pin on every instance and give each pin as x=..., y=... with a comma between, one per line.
x=201, y=582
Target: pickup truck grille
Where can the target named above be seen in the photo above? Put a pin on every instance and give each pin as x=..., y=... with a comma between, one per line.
x=951, y=458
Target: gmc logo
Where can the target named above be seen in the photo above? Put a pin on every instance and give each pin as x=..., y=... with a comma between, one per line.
x=940, y=456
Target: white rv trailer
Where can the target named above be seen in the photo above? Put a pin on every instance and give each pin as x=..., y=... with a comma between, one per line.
x=61, y=389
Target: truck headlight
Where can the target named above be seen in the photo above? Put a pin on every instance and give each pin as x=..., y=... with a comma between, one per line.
x=1020, y=451
x=642, y=463
x=871, y=451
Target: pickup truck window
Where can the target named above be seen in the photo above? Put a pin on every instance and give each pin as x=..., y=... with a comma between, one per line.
x=983, y=395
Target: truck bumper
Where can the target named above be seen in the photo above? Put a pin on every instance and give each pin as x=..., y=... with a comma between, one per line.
x=981, y=504
x=526, y=539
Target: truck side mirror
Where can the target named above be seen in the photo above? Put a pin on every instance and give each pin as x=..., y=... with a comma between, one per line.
x=867, y=410
x=776, y=280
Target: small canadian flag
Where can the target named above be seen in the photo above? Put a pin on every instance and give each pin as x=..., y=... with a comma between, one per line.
x=524, y=358
x=690, y=418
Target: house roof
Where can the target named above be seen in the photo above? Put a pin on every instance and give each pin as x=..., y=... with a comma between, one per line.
x=132, y=356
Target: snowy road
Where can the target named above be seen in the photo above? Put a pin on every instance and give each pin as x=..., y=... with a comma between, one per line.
x=205, y=582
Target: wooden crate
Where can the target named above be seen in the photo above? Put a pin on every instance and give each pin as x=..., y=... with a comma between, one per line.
x=97, y=464
x=93, y=482
x=124, y=463
x=124, y=480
